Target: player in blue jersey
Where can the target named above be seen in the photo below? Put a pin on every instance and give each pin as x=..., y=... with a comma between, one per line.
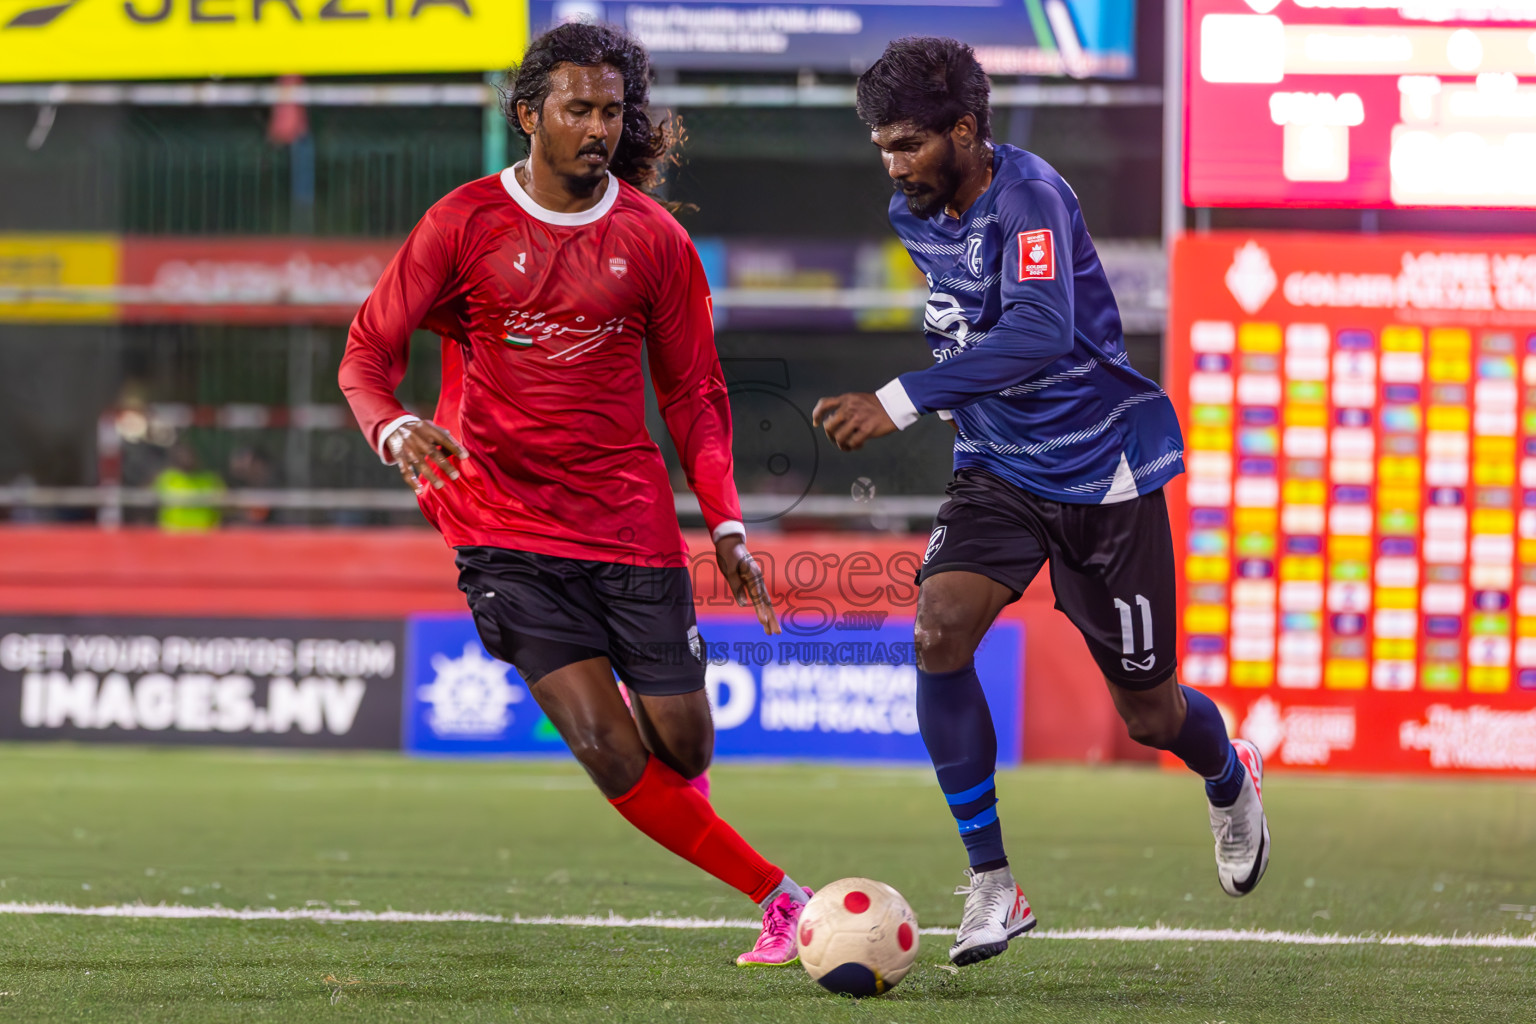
x=1061, y=453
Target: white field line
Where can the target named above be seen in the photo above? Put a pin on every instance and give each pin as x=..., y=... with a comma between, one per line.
x=1159, y=933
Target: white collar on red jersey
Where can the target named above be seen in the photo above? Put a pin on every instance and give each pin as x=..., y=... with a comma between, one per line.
x=566, y=220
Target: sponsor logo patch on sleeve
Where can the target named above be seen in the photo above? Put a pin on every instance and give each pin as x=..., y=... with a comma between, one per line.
x=1037, y=256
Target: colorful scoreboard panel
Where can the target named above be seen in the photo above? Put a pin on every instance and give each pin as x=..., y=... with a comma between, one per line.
x=1357, y=526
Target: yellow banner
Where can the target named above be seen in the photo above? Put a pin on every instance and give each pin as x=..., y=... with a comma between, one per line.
x=62, y=40
x=35, y=269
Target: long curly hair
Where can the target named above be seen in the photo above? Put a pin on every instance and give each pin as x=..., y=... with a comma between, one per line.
x=645, y=146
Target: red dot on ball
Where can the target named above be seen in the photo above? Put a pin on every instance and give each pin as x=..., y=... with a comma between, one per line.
x=856, y=902
x=805, y=935
x=904, y=936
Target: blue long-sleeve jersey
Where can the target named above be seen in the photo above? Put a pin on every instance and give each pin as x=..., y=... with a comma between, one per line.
x=1030, y=353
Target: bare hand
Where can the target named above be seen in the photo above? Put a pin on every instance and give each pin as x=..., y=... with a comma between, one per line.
x=422, y=451
x=745, y=578
x=852, y=419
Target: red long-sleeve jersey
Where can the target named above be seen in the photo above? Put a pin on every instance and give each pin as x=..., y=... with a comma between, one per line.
x=542, y=316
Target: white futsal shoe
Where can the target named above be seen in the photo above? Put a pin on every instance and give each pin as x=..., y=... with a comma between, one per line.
x=995, y=912
x=1242, y=831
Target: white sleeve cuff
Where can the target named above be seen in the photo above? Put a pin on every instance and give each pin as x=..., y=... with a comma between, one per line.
x=727, y=528
x=897, y=405
x=390, y=428
x=946, y=415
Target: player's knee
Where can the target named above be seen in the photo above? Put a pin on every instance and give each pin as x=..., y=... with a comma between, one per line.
x=687, y=751
x=1150, y=734
x=695, y=761
x=615, y=766
x=1151, y=728
x=943, y=645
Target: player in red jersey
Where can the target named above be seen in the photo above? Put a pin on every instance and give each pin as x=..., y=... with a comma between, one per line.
x=543, y=282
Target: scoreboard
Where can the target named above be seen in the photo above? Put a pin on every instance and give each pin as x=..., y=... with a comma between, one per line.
x=1357, y=527
x=1360, y=103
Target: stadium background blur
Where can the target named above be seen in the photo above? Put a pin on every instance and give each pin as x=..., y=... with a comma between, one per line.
x=181, y=259
x=785, y=189
x=1318, y=222
x=195, y=203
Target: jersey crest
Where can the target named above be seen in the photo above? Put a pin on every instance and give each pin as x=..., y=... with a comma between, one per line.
x=973, y=259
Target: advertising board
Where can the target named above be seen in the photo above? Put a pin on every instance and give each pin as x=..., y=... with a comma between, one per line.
x=840, y=695
x=277, y=279
x=1360, y=103
x=235, y=682
x=74, y=40
x=1012, y=37
x=293, y=279
x=34, y=267
x=1358, y=523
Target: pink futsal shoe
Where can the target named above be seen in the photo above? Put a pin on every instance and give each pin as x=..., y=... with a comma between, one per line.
x=777, y=945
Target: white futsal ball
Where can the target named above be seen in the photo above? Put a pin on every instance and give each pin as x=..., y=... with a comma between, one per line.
x=858, y=937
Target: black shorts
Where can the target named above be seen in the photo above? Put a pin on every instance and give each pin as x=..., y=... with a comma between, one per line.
x=1111, y=565
x=540, y=613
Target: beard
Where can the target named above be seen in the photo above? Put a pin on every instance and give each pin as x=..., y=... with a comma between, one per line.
x=583, y=185
x=928, y=201
x=583, y=182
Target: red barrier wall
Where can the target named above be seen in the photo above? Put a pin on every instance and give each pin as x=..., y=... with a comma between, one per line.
x=373, y=573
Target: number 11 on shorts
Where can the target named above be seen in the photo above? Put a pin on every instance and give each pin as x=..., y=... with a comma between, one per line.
x=1128, y=627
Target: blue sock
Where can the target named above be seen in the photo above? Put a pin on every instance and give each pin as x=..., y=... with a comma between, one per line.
x=1223, y=789
x=1203, y=745
x=957, y=728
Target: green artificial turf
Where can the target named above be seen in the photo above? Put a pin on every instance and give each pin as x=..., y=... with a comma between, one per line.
x=1094, y=848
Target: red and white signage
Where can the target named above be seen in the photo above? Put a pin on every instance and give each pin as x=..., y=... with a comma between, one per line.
x=1037, y=256
x=1359, y=103
x=1357, y=528
x=249, y=280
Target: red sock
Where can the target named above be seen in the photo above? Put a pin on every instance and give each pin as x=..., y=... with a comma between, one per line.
x=665, y=807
